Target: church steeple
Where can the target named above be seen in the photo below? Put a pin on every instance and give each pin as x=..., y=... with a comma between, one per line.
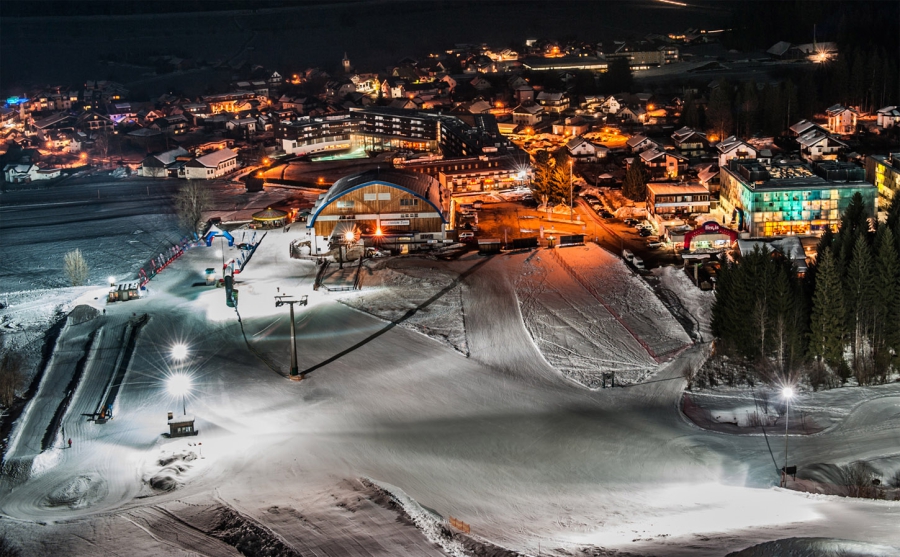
x=345, y=63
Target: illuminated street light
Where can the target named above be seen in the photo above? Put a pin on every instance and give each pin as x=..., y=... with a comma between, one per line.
x=112, y=280
x=179, y=351
x=788, y=394
x=180, y=385
x=571, y=185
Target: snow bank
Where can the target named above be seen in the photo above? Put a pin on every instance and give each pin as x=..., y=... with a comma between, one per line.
x=391, y=289
x=427, y=522
x=817, y=547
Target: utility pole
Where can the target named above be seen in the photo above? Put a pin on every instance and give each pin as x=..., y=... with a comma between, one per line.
x=280, y=301
x=571, y=185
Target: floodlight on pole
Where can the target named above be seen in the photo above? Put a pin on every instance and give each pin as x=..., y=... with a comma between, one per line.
x=180, y=385
x=112, y=280
x=571, y=185
x=179, y=351
x=788, y=394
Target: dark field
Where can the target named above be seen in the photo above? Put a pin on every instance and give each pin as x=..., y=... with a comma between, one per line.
x=70, y=50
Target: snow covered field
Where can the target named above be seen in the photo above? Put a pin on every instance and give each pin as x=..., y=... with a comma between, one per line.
x=499, y=439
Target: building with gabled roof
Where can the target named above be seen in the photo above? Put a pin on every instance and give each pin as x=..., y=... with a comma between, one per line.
x=841, y=120
x=211, y=166
x=887, y=117
x=805, y=126
x=689, y=142
x=583, y=150
x=163, y=164
x=734, y=148
x=819, y=146
x=663, y=164
x=638, y=143
x=527, y=114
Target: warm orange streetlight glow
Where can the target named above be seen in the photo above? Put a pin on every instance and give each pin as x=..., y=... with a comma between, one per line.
x=321, y=180
x=378, y=231
x=349, y=236
x=265, y=160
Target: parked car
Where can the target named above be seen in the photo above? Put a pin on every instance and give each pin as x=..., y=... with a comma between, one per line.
x=465, y=236
x=627, y=255
x=654, y=244
x=606, y=214
x=638, y=263
x=597, y=207
x=629, y=222
x=644, y=232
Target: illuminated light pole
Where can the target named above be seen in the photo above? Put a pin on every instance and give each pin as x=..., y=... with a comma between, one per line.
x=179, y=352
x=180, y=385
x=788, y=394
x=280, y=301
x=571, y=185
x=349, y=238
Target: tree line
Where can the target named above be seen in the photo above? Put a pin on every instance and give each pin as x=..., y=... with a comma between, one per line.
x=863, y=77
x=839, y=321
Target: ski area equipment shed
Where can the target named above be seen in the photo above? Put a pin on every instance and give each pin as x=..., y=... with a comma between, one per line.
x=124, y=291
x=181, y=426
x=396, y=209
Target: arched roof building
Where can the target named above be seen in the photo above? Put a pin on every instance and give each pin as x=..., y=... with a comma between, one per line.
x=399, y=209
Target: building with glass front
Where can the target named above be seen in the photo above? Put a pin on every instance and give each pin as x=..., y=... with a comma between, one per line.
x=790, y=197
x=884, y=172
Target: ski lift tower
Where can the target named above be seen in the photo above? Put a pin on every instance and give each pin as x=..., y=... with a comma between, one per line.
x=289, y=300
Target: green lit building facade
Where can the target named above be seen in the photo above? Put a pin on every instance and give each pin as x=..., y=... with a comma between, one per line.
x=790, y=197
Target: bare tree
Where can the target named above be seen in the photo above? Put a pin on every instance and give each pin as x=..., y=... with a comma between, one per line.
x=190, y=203
x=12, y=377
x=76, y=267
x=101, y=145
x=857, y=479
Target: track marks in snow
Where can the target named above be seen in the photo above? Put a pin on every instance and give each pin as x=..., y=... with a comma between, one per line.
x=573, y=330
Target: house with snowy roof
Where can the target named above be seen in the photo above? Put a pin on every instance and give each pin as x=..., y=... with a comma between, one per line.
x=527, y=114
x=553, y=102
x=572, y=126
x=581, y=149
x=734, y=148
x=19, y=173
x=805, y=126
x=211, y=166
x=689, y=142
x=662, y=164
x=818, y=146
x=162, y=165
x=639, y=143
x=887, y=117
x=841, y=120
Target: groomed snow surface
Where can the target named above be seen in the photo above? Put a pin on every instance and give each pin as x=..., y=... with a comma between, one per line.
x=507, y=439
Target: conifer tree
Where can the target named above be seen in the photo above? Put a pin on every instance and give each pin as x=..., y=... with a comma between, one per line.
x=635, y=185
x=826, y=338
x=886, y=309
x=859, y=303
